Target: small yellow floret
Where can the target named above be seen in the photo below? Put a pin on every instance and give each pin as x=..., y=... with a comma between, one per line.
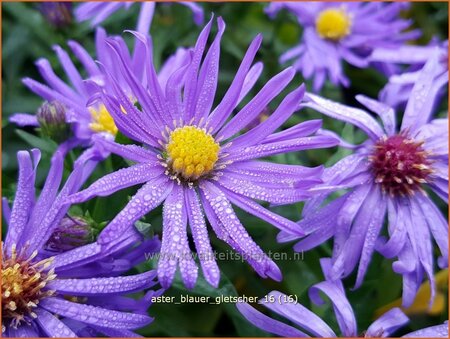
x=102, y=121
x=333, y=24
x=192, y=152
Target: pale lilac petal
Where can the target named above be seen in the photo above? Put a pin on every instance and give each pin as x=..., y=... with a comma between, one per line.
x=224, y=212
x=6, y=210
x=387, y=324
x=120, y=179
x=268, y=324
x=283, y=112
x=250, y=111
x=24, y=119
x=299, y=144
x=250, y=79
x=420, y=103
x=208, y=77
x=341, y=306
x=201, y=238
x=439, y=331
x=85, y=58
x=298, y=314
x=131, y=152
x=52, y=326
x=24, y=199
x=386, y=113
x=231, y=98
x=100, y=286
x=351, y=115
x=149, y=196
x=95, y=315
x=300, y=130
x=145, y=17
x=174, y=247
x=197, y=11
x=397, y=231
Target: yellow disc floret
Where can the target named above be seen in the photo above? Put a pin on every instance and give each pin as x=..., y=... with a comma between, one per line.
x=192, y=152
x=23, y=285
x=102, y=121
x=333, y=24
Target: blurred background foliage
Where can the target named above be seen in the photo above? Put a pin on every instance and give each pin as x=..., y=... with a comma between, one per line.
x=28, y=36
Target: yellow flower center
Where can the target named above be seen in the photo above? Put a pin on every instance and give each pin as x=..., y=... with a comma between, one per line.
x=102, y=121
x=22, y=284
x=333, y=24
x=192, y=152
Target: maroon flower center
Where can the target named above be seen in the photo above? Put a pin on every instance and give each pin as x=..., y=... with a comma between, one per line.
x=400, y=165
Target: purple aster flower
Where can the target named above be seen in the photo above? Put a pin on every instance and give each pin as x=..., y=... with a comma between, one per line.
x=398, y=89
x=97, y=12
x=337, y=31
x=71, y=293
x=72, y=99
x=386, y=177
x=195, y=161
x=309, y=324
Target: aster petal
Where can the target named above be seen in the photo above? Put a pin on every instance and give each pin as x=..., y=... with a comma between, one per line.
x=373, y=231
x=24, y=199
x=250, y=79
x=145, y=17
x=319, y=226
x=350, y=254
x=118, y=180
x=298, y=314
x=6, y=210
x=190, y=89
x=77, y=255
x=95, y=315
x=250, y=111
x=387, y=324
x=275, y=120
x=351, y=115
x=224, y=212
x=437, y=224
x=420, y=104
x=257, y=210
x=172, y=64
x=208, y=76
x=407, y=265
x=70, y=70
x=103, y=286
x=52, y=326
x=386, y=113
x=243, y=186
x=197, y=11
x=201, y=238
x=23, y=331
x=114, y=333
x=300, y=130
x=439, y=331
x=147, y=198
x=397, y=231
x=85, y=58
x=419, y=235
x=232, y=96
x=174, y=247
x=299, y=144
x=131, y=152
x=341, y=306
x=268, y=324
x=24, y=119
x=403, y=54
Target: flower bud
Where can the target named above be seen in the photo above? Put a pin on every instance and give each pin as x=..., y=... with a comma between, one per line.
x=58, y=14
x=52, y=120
x=72, y=232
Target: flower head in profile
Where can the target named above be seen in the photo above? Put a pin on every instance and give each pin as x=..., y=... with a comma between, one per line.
x=97, y=12
x=309, y=324
x=398, y=89
x=69, y=102
x=338, y=31
x=386, y=177
x=195, y=161
x=49, y=290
